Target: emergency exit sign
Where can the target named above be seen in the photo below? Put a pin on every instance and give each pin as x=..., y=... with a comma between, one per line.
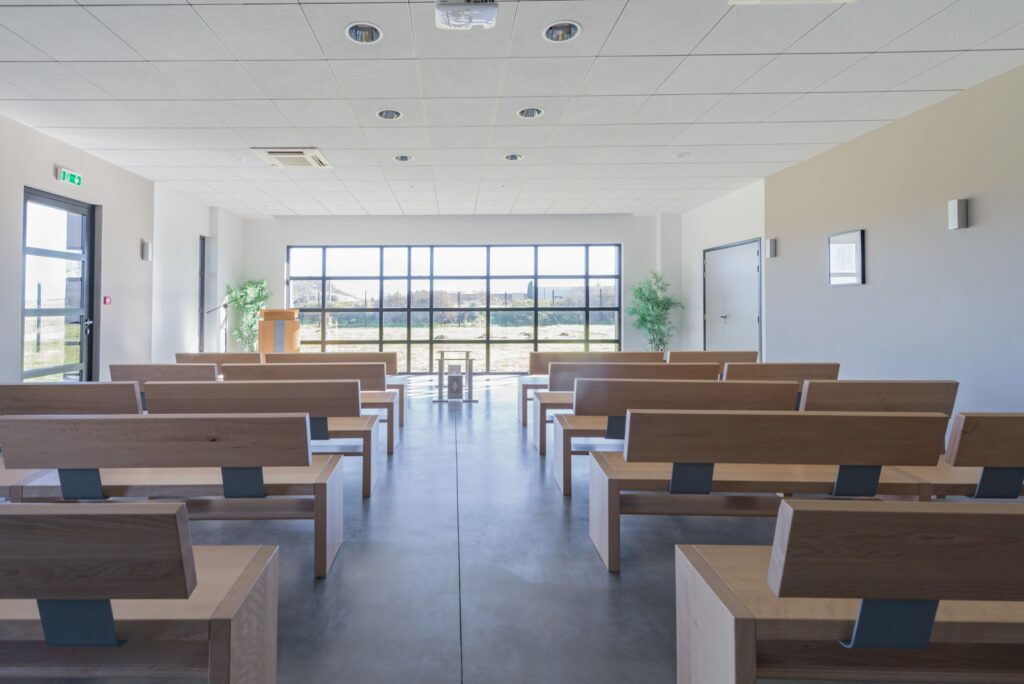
x=68, y=176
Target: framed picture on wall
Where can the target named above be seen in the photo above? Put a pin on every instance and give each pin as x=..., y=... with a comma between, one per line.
x=846, y=258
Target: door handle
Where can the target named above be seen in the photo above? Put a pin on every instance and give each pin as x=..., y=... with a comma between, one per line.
x=87, y=326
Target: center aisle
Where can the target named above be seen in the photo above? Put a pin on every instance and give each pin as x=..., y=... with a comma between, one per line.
x=531, y=601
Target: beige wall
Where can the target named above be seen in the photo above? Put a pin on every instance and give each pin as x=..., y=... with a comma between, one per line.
x=937, y=303
x=736, y=217
x=127, y=217
x=266, y=241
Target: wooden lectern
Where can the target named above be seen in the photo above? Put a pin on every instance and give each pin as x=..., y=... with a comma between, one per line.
x=279, y=330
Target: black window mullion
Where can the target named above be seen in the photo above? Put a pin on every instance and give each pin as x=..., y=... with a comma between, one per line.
x=323, y=299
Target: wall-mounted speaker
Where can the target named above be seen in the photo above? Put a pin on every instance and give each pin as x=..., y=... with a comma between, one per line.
x=958, y=214
x=145, y=250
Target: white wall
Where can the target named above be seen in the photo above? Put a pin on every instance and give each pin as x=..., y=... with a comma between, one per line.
x=669, y=240
x=178, y=224
x=937, y=303
x=127, y=217
x=265, y=241
x=736, y=217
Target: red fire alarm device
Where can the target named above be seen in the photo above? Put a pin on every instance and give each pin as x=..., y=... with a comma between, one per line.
x=106, y=300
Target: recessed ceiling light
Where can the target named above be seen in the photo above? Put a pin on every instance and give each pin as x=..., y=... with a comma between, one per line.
x=513, y=157
x=362, y=32
x=530, y=112
x=389, y=114
x=403, y=157
x=562, y=31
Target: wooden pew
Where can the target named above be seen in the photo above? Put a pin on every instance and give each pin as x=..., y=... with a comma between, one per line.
x=780, y=371
x=333, y=407
x=142, y=373
x=33, y=398
x=225, y=467
x=858, y=590
x=984, y=459
x=390, y=360
x=600, y=406
x=539, y=362
x=908, y=396
x=733, y=463
x=118, y=591
x=371, y=377
x=218, y=358
x=698, y=356
x=563, y=376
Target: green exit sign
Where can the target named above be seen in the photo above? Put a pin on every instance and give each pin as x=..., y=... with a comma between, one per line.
x=68, y=176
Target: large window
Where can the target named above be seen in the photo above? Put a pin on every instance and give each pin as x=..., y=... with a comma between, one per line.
x=499, y=302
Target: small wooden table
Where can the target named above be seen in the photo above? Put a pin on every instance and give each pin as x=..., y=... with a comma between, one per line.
x=388, y=400
x=527, y=383
x=544, y=401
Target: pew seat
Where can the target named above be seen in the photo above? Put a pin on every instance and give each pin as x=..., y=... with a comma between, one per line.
x=858, y=590
x=147, y=603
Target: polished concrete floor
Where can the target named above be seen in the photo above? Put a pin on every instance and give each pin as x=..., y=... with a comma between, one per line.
x=468, y=565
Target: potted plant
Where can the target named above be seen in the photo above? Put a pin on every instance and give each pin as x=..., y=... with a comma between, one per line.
x=248, y=300
x=650, y=310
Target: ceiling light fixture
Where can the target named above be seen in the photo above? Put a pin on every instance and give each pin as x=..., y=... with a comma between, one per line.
x=363, y=33
x=530, y=112
x=403, y=157
x=513, y=157
x=562, y=31
x=389, y=114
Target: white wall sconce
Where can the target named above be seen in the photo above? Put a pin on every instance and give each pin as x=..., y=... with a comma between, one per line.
x=773, y=248
x=958, y=217
x=145, y=250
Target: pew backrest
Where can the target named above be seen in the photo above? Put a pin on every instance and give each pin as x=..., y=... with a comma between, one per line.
x=371, y=376
x=712, y=357
x=613, y=397
x=69, y=398
x=155, y=441
x=563, y=376
x=990, y=440
x=218, y=358
x=318, y=398
x=540, y=361
x=780, y=371
x=785, y=437
x=902, y=396
x=898, y=551
x=153, y=372
x=96, y=551
x=389, y=359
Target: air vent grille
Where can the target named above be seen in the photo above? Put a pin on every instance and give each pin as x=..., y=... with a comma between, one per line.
x=293, y=158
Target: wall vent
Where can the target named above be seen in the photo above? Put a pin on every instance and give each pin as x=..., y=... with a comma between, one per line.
x=293, y=157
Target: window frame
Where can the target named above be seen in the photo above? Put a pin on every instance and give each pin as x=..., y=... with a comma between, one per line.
x=535, y=342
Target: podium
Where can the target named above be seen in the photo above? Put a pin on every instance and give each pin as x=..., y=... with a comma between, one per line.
x=279, y=330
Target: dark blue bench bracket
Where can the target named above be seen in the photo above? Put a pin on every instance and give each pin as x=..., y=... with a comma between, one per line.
x=80, y=483
x=616, y=428
x=243, y=483
x=857, y=481
x=691, y=478
x=893, y=624
x=86, y=622
x=318, y=428
x=999, y=483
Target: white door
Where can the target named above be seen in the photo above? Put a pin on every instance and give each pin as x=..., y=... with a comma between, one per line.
x=732, y=297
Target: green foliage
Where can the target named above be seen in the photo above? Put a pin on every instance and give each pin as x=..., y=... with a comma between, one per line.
x=650, y=310
x=248, y=300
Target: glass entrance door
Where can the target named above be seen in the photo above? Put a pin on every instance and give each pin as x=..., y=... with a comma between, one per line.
x=57, y=297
